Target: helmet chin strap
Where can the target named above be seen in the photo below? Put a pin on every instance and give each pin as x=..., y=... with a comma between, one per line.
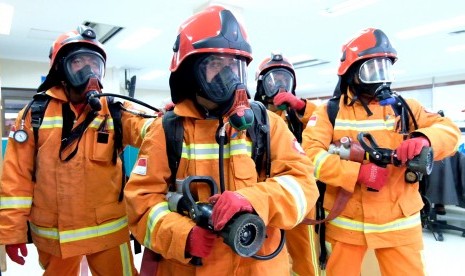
x=361, y=98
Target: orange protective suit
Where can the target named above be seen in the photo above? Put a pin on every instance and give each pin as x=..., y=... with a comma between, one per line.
x=282, y=200
x=72, y=206
x=302, y=242
x=385, y=219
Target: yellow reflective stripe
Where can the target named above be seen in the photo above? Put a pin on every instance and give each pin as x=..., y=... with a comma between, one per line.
x=292, y=186
x=364, y=125
x=211, y=151
x=15, y=202
x=82, y=233
x=318, y=162
x=125, y=259
x=315, y=262
x=396, y=225
x=146, y=125
x=156, y=213
x=98, y=121
x=52, y=122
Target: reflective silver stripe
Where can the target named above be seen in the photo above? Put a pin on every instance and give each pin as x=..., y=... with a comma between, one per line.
x=52, y=122
x=15, y=202
x=47, y=233
x=364, y=125
x=211, y=151
x=147, y=123
x=82, y=233
x=318, y=162
x=292, y=186
x=125, y=259
x=396, y=225
x=156, y=213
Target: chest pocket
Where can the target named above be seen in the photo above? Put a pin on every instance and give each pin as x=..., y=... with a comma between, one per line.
x=101, y=140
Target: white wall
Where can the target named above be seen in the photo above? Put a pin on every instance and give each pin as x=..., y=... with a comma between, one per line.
x=27, y=74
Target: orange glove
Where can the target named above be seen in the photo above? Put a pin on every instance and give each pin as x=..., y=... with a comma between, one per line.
x=289, y=99
x=200, y=242
x=372, y=176
x=410, y=148
x=226, y=206
x=12, y=252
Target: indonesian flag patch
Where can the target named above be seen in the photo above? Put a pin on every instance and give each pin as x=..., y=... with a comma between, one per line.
x=12, y=131
x=312, y=121
x=296, y=145
x=141, y=166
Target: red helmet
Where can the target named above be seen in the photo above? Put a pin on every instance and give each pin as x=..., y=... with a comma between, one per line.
x=369, y=43
x=83, y=36
x=214, y=30
x=279, y=65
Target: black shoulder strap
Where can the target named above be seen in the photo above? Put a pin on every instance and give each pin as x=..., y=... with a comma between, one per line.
x=333, y=109
x=174, y=134
x=38, y=106
x=259, y=132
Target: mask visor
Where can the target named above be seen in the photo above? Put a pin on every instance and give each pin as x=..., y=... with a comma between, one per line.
x=376, y=70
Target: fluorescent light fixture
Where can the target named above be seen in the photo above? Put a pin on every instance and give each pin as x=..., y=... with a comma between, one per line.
x=6, y=17
x=456, y=48
x=139, y=38
x=155, y=74
x=346, y=7
x=431, y=28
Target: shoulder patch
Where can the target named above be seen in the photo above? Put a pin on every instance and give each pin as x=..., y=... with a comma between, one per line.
x=141, y=166
x=312, y=121
x=296, y=145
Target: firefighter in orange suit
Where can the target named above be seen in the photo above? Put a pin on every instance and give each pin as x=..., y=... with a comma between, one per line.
x=276, y=84
x=383, y=208
x=208, y=77
x=70, y=192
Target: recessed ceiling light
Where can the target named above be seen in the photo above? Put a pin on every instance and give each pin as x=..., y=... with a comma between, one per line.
x=346, y=7
x=139, y=38
x=431, y=28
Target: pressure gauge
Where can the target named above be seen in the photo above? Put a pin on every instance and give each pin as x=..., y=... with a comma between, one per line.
x=20, y=136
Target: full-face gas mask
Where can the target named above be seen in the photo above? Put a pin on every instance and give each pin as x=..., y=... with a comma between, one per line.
x=222, y=79
x=374, y=79
x=84, y=70
x=277, y=80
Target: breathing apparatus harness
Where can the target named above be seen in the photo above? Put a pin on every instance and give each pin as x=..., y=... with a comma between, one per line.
x=245, y=233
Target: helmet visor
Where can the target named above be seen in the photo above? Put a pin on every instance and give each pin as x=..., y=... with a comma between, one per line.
x=376, y=70
x=219, y=75
x=277, y=79
x=81, y=65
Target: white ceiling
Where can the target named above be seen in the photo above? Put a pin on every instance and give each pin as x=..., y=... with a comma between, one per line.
x=293, y=27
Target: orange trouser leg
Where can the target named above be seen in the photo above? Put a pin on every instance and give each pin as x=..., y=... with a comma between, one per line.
x=401, y=260
x=302, y=243
x=345, y=259
x=115, y=261
x=55, y=266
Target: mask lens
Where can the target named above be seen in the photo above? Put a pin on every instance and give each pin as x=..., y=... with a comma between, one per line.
x=82, y=65
x=376, y=70
x=219, y=75
x=276, y=79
